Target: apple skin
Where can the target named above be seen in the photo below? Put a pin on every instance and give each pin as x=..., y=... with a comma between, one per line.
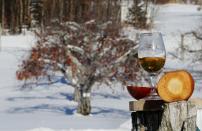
x=183, y=93
x=138, y=92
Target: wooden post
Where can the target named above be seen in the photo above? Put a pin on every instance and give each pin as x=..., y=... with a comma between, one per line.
x=155, y=115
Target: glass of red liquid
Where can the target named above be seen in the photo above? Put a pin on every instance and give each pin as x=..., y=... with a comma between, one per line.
x=139, y=92
x=141, y=89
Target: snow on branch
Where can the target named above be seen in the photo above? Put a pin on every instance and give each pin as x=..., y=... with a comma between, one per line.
x=196, y=35
x=83, y=54
x=118, y=64
x=131, y=52
x=76, y=49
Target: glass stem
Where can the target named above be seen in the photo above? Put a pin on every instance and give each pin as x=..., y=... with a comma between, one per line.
x=152, y=80
x=153, y=84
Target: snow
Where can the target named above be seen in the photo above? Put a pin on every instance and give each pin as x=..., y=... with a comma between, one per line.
x=18, y=41
x=174, y=19
x=50, y=107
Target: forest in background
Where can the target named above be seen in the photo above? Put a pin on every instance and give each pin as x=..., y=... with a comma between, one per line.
x=18, y=14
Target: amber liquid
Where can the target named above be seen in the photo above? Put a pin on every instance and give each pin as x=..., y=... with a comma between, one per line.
x=152, y=64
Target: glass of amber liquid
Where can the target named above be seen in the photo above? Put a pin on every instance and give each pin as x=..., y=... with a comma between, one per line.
x=152, y=56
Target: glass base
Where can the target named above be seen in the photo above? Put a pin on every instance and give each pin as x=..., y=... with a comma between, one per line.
x=153, y=95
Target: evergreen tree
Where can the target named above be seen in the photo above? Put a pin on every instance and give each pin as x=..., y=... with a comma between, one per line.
x=36, y=12
x=137, y=14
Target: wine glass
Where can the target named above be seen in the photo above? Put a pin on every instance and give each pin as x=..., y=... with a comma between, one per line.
x=152, y=56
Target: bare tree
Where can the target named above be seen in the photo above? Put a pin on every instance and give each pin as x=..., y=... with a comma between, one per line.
x=37, y=13
x=84, y=54
x=2, y=13
x=184, y=48
x=190, y=48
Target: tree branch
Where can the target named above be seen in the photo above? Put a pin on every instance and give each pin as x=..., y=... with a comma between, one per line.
x=195, y=34
x=76, y=49
x=105, y=71
x=128, y=54
x=64, y=71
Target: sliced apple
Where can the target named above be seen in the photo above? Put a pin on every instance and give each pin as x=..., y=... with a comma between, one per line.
x=175, y=86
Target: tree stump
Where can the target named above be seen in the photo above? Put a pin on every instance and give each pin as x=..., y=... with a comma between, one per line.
x=155, y=115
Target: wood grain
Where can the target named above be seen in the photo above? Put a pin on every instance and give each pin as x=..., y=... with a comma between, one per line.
x=156, y=115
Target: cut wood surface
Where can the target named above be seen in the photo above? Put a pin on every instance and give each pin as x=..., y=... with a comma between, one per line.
x=146, y=105
x=175, y=86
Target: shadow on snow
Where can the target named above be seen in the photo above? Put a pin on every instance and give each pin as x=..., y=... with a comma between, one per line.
x=96, y=111
x=67, y=96
x=44, y=108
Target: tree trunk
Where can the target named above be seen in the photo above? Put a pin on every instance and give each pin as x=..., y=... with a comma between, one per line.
x=179, y=116
x=77, y=94
x=13, y=20
x=153, y=115
x=61, y=10
x=84, y=104
x=21, y=17
x=3, y=14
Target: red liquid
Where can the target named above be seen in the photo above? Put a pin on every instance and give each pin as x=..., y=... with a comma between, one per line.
x=138, y=92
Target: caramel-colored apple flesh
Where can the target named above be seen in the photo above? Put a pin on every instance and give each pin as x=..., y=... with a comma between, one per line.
x=175, y=86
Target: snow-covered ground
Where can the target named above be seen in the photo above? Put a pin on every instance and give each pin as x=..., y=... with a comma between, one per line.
x=50, y=107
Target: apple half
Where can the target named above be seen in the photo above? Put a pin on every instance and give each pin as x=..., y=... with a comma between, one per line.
x=175, y=86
